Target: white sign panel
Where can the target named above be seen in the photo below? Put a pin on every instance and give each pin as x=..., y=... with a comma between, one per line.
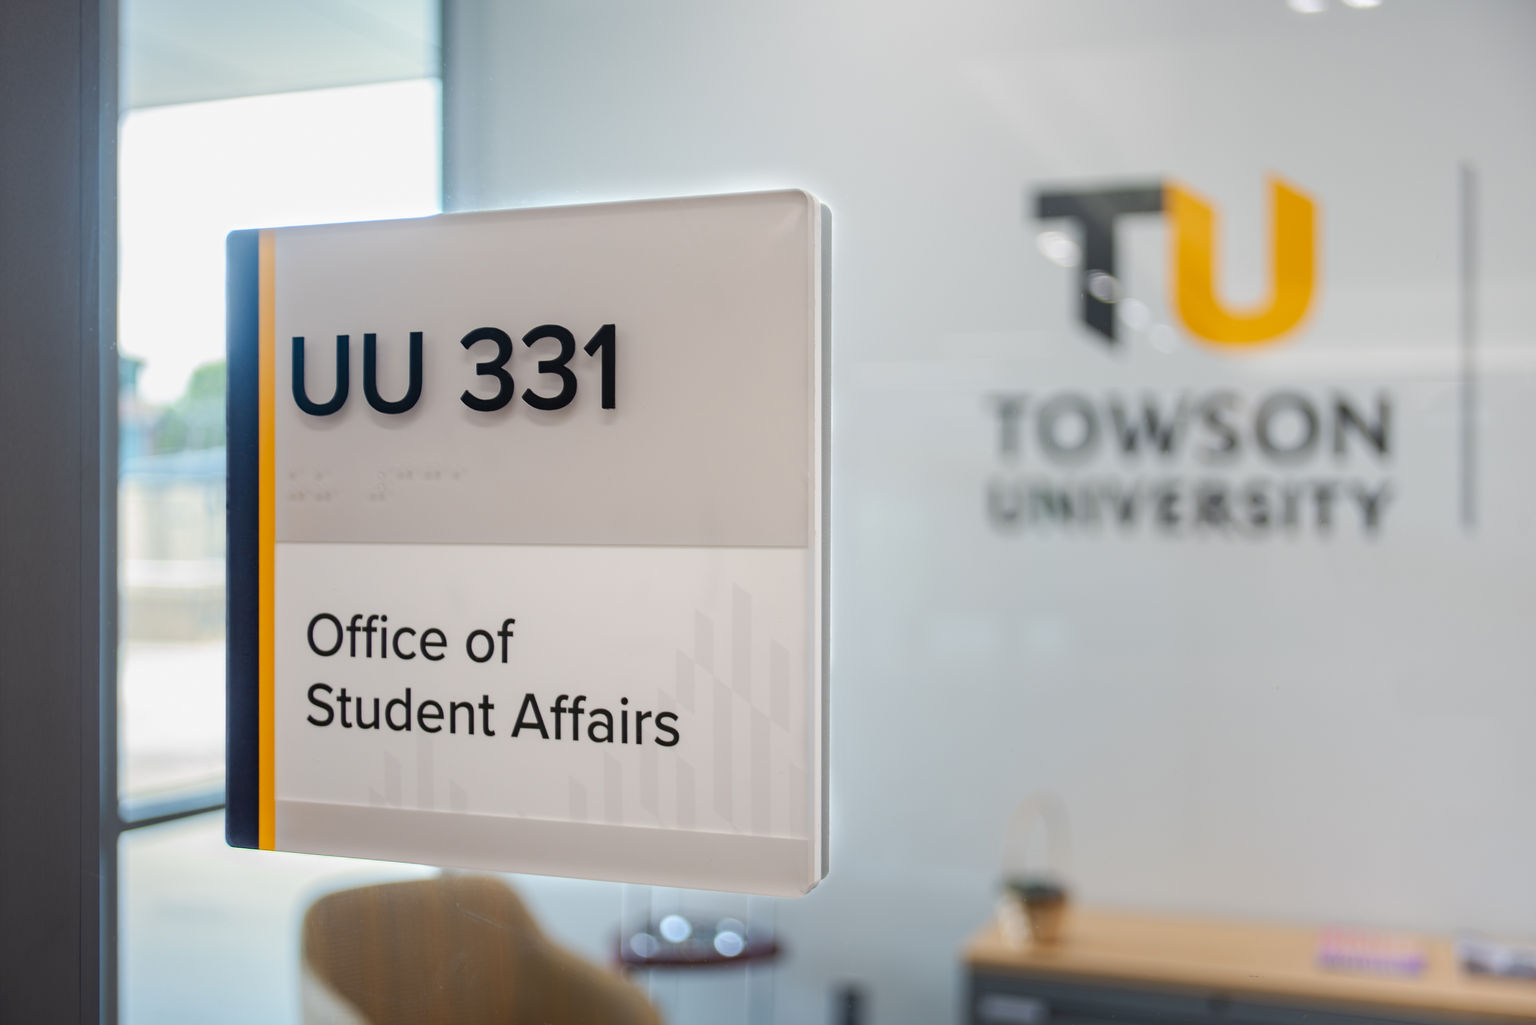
x=527, y=541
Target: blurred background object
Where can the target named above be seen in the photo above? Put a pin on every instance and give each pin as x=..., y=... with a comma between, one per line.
x=1037, y=897
x=454, y=950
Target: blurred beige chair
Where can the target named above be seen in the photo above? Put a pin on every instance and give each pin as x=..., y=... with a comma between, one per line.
x=451, y=950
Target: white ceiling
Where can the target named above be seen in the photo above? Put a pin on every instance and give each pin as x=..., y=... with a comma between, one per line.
x=182, y=51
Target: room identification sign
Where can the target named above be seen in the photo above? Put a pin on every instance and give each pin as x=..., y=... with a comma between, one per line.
x=527, y=541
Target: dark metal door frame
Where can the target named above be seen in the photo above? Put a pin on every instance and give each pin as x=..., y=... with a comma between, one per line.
x=58, y=424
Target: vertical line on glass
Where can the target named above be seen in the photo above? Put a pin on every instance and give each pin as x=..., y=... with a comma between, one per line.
x=1466, y=216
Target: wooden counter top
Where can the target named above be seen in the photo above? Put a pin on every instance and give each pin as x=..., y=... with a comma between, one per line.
x=1242, y=959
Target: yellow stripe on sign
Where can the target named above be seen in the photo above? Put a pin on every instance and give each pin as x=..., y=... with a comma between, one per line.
x=266, y=536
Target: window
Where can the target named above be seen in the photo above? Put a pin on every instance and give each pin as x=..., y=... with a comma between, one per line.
x=190, y=173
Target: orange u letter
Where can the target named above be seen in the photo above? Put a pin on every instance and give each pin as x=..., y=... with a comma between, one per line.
x=1293, y=235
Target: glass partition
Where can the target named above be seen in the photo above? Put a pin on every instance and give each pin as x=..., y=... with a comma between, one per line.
x=1181, y=378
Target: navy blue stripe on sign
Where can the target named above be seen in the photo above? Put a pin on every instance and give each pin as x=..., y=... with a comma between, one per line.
x=242, y=700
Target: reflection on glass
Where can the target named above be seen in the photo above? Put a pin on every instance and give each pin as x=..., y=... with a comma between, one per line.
x=189, y=174
x=209, y=933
